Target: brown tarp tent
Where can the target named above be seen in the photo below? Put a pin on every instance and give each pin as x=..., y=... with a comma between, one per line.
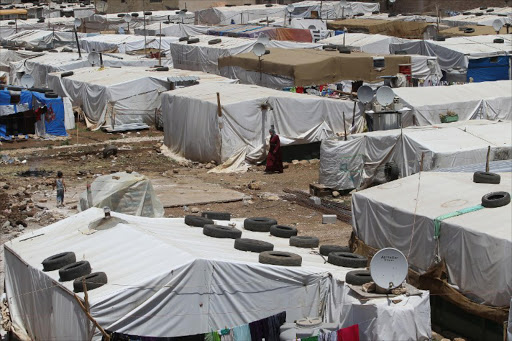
x=315, y=67
x=477, y=31
x=395, y=28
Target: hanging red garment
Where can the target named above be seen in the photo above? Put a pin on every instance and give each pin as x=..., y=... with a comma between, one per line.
x=274, y=157
x=349, y=334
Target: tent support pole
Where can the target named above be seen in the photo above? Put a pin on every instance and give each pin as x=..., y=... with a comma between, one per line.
x=487, y=159
x=86, y=311
x=219, y=108
x=344, y=126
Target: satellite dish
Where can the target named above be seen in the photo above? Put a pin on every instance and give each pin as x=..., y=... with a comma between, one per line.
x=263, y=39
x=365, y=94
x=127, y=18
x=388, y=268
x=343, y=3
x=258, y=49
x=77, y=22
x=497, y=24
x=27, y=81
x=94, y=58
x=290, y=8
x=312, y=28
x=385, y=95
x=102, y=6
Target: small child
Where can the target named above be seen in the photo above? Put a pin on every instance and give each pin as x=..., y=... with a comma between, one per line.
x=61, y=188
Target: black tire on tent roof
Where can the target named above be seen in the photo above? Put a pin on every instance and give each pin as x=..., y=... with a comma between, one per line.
x=217, y=215
x=120, y=15
x=66, y=74
x=268, y=5
x=74, y=270
x=326, y=249
x=358, y=277
x=283, y=231
x=51, y=95
x=214, y=41
x=92, y=281
x=193, y=41
x=486, y=178
x=259, y=224
x=469, y=30
x=148, y=13
x=498, y=41
x=280, y=258
x=220, y=231
x=347, y=259
x=304, y=241
x=496, y=199
x=58, y=261
x=162, y=68
x=135, y=14
x=479, y=14
x=253, y=245
x=183, y=39
x=466, y=13
x=192, y=220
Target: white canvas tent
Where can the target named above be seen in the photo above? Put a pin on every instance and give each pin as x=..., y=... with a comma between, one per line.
x=484, y=18
x=476, y=246
x=360, y=161
x=124, y=43
x=369, y=43
x=120, y=98
x=12, y=56
x=194, y=130
x=173, y=30
x=486, y=100
x=168, y=279
x=202, y=56
x=41, y=38
x=50, y=24
x=112, y=22
x=43, y=65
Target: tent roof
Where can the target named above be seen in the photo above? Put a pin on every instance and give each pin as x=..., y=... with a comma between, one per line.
x=63, y=58
x=477, y=44
x=479, y=30
x=404, y=29
x=359, y=39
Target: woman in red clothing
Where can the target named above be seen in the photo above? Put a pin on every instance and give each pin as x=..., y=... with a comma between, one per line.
x=274, y=159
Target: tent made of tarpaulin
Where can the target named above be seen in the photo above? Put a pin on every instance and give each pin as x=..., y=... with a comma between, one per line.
x=194, y=129
x=121, y=98
x=41, y=66
x=254, y=31
x=396, y=28
x=128, y=193
x=41, y=38
x=113, y=22
x=474, y=242
x=8, y=56
x=476, y=31
x=369, y=43
x=332, y=9
x=16, y=114
x=59, y=24
x=203, y=56
x=123, y=43
x=311, y=67
x=173, y=30
x=467, y=53
x=479, y=17
x=486, y=100
x=167, y=279
x=360, y=161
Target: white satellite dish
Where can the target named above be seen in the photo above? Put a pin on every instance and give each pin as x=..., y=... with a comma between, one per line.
x=263, y=39
x=94, y=58
x=385, y=95
x=77, y=22
x=27, y=81
x=365, y=94
x=258, y=49
x=127, y=18
x=102, y=6
x=290, y=8
x=343, y=3
x=389, y=268
x=497, y=25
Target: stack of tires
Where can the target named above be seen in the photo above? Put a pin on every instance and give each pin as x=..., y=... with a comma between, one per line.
x=342, y=256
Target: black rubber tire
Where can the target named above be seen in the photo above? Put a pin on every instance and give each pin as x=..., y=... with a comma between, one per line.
x=214, y=41
x=490, y=10
x=58, y=261
x=66, y=74
x=344, y=49
x=498, y=41
x=253, y=245
x=469, y=30
x=390, y=15
x=51, y=95
x=268, y=5
x=440, y=39
x=330, y=46
x=496, y=199
x=42, y=90
x=148, y=13
x=92, y=281
x=217, y=215
x=483, y=7
x=283, y=231
x=486, y=178
x=358, y=15
x=162, y=68
x=193, y=41
x=304, y=241
x=466, y=13
x=183, y=39
x=326, y=249
x=391, y=171
x=479, y=14
x=74, y=270
x=220, y=231
x=280, y=258
x=120, y=15
x=135, y=14
x=109, y=150
x=193, y=220
x=375, y=12
x=358, y=277
x=347, y=260
x=259, y=224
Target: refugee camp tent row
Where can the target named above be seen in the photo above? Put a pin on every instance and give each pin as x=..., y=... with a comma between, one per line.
x=123, y=98
x=477, y=16
x=203, y=56
x=435, y=218
x=369, y=43
x=254, y=31
x=362, y=160
x=173, y=30
x=39, y=67
x=306, y=67
x=27, y=112
x=8, y=56
x=125, y=43
x=481, y=58
x=210, y=283
x=395, y=28
x=50, y=24
x=239, y=131
x=41, y=38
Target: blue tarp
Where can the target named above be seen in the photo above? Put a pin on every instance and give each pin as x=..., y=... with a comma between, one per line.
x=489, y=69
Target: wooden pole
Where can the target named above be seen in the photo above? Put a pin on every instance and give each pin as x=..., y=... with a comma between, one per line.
x=487, y=159
x=344, y=126
x=421, y=163
x=160, y=47
x=354, y=115
x=85, y=308
x=219, y=108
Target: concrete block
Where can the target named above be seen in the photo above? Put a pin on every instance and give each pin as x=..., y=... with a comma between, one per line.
x=316, y=200
x=329, y=219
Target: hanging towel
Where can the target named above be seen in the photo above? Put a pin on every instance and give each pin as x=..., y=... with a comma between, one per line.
x=212, y=336
x=349, y=334
x=242, y=333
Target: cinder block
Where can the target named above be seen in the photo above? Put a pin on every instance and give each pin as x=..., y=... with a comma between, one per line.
x=316, y=200
x=329, y=219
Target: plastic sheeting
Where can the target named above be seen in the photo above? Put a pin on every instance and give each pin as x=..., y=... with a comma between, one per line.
x=360, y=160
x=247, y=114
x=124, y=43
x=41, y=66
x=211, y=284
x=369, y=43
x=485, y=100
x=484, y=19
x=120, y=98
x=39, y=38
x=128, y=193
x=173, y=30
x=476, y=246
x=202, y=56
x=254, y=31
